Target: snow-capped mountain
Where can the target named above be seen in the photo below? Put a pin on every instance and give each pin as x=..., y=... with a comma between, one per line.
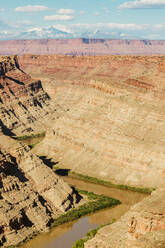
x=52, y=32
x=44, y=33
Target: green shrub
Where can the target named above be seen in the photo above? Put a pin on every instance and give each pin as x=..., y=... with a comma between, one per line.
x=79, y=244
x=110, y=184
x=91, y=234
x=96, y=203
x=25, y=137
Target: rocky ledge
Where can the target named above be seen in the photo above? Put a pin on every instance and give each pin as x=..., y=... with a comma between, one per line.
x=31, y=195
x=143, y=226
x=24, y=105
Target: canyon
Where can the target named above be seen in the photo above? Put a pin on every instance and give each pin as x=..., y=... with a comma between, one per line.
x=104, y=117
x=31, y=195
x=113, y=127
x=82, y=46
x=113, y=130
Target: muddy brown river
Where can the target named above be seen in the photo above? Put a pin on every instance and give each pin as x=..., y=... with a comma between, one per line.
x=65, y=235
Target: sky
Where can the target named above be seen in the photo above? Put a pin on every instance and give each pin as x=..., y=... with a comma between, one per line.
x=144, y=19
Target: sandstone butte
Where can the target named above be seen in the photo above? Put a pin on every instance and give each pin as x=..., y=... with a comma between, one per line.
x=31, y=195
x=82, y=46
x=111, y=126
x=104, y=116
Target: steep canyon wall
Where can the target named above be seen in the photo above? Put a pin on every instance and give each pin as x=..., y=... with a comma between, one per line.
x=114, y=123
x=31, y=195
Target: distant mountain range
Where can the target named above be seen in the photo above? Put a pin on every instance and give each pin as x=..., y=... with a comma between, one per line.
x=79, y=46
x=44, y=33
x=54, y=33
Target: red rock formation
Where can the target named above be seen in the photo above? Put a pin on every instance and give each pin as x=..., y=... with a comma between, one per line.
x=23, y=102
x=82, y=46
x=140, y=72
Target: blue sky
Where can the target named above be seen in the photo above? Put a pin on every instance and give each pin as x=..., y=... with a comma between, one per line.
x=123, y=18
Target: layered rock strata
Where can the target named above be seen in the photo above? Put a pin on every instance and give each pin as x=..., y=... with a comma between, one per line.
x=114, y=130
x=24, y=105
x=143, y=226
x=82, y=46
x=31, y=195
x=114, y=126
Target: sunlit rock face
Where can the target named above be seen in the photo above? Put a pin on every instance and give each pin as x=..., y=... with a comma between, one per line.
x=143, y=226
x=113, y=126
x=109, y=123
x=31, y=195
x=23, y=102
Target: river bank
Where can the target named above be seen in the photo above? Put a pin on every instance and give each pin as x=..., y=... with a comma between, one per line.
x=66, y=234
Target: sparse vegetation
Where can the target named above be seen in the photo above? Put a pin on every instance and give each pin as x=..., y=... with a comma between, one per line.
x=91, y=234
x=109, y=184
x=96, y=202
x=25, y=137
x=33, y=145
x=12, y=246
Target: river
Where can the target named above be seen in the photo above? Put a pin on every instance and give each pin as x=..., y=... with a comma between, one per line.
x=65, y=235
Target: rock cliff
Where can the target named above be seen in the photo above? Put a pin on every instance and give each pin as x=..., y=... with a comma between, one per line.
x=109, y=123
x=24, y=105
x=113, y=130
x=31, y=195
x=114, y=126
x=143, y=226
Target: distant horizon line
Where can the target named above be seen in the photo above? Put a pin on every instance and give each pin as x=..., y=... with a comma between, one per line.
x=85, y=38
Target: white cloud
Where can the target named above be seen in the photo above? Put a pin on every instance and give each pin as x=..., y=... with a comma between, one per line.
x=159, y=26
x=34, y=29
x=123, y=35
x=63, y=28
x=97, y=13
x=5, y=32
x=59, y=18
x=66, y=11
x=82, y=12
x=120, y=26
x=143, y=4
x=31, y=8
x=130, y=26
x=2, y=9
